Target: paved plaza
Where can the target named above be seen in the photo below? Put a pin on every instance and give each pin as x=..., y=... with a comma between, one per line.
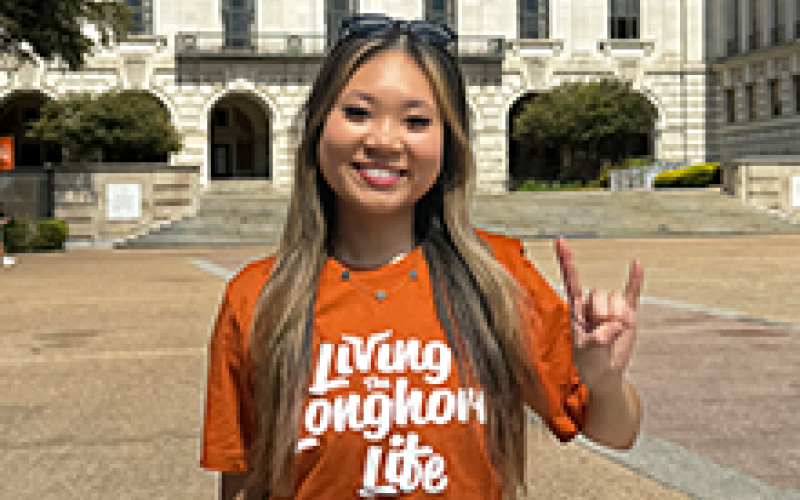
x=102, y=371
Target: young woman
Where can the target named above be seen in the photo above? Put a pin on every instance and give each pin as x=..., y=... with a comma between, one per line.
x=388, y=347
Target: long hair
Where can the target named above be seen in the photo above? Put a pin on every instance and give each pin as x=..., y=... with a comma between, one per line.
x=477, y=301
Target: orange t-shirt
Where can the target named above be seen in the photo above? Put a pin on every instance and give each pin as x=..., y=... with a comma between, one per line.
x=385, y=411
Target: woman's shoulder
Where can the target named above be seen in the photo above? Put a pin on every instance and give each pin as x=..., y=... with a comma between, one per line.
x=250, y=277
x=504, y=246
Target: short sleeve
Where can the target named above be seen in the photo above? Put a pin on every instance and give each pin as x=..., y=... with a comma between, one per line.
x=551, y=344
x=227, y=406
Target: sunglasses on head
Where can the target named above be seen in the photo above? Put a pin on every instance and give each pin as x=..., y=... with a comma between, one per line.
x=366, y=25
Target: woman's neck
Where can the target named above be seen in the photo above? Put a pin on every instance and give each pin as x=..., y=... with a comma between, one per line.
x=369, y=241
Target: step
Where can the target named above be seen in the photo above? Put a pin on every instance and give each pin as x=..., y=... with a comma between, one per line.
x=263, y=185
x=195, y=241
x=255, y=230
x=236, y=210
x=227, y=220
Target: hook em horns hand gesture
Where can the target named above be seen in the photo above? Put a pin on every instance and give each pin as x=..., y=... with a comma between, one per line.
x=603, y=325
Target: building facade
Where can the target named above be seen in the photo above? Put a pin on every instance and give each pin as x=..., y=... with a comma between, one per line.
x=233, y=73
x=754, y=78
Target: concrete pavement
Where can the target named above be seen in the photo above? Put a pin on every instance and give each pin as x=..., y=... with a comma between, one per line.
x=102, y=372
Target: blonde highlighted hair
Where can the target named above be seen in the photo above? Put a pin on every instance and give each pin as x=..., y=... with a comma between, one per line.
x=477, y=301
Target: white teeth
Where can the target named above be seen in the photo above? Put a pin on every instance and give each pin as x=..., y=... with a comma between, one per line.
x=382, y=173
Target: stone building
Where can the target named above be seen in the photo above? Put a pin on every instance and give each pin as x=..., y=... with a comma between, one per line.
x=754, y=78
x=232, y=73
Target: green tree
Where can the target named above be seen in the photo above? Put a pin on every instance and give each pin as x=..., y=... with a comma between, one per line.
x=126, y=126
x=53, y=28
x=591, y=119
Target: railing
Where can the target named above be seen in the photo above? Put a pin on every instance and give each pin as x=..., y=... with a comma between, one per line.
x=640, y=177
x=220, y=44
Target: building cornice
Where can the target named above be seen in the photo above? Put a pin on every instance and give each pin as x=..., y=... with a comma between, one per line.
x=754, y=56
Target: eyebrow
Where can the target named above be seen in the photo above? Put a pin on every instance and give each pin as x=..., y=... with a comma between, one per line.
x=411, y=103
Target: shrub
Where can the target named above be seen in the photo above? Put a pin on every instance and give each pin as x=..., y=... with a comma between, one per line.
x=699, y=175
x=50, y=235
x=15, y=234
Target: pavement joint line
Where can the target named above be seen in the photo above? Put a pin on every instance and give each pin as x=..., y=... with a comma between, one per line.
x=662, y=461
x=220, y=271
x=711, y=311
x=688, y=472
x=683, y=470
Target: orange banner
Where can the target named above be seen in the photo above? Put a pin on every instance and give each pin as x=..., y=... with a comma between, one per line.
x=6, y=153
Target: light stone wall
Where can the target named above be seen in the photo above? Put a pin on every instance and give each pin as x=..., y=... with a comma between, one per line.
x=766, y=135
x=670, y=75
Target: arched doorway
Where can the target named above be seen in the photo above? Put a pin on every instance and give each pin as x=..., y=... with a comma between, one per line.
x=239, y=145
x=16, y=113
x=583, y=161
x=524, y=162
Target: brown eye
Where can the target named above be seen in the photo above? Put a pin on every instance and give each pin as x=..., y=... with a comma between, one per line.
x=353, y=111
x=420, y=121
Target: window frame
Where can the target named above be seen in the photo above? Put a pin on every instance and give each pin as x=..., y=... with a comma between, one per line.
x=238, y=38
x=775, y=97
x=145, y=10
x=333, y=19
x=535, y=22
x=796, y=84
x=730, y=105
x=752, y=102
x=448, y=16
x=627, y=24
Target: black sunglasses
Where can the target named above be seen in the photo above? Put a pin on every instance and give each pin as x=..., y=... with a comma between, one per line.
x=433, y=33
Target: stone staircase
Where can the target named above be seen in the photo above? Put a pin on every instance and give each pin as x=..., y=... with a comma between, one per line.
x=250, y=213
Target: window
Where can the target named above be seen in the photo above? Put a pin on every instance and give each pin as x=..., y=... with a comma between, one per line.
x=734, y=27
x=335, y=12
x=730, y=104
x=623, y=18
x=775, y=96
x=751, y=102
x=796, y=82
x=534, y=20
x=142, y=16
x=441, y=11
x=778, y=15
x=797, y=19
x=755, y=21
x=238, y=17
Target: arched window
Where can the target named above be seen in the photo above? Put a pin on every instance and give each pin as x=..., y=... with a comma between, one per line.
x=534, y=18
x=623, y=18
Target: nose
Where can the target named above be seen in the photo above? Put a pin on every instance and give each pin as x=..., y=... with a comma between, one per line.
x=383, y=137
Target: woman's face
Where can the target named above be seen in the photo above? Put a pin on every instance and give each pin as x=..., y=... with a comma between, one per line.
x=386, y=115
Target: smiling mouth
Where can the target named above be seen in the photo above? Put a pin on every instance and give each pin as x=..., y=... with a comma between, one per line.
x=397, y=173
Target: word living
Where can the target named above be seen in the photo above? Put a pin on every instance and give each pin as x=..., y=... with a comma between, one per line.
x=408, y=465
